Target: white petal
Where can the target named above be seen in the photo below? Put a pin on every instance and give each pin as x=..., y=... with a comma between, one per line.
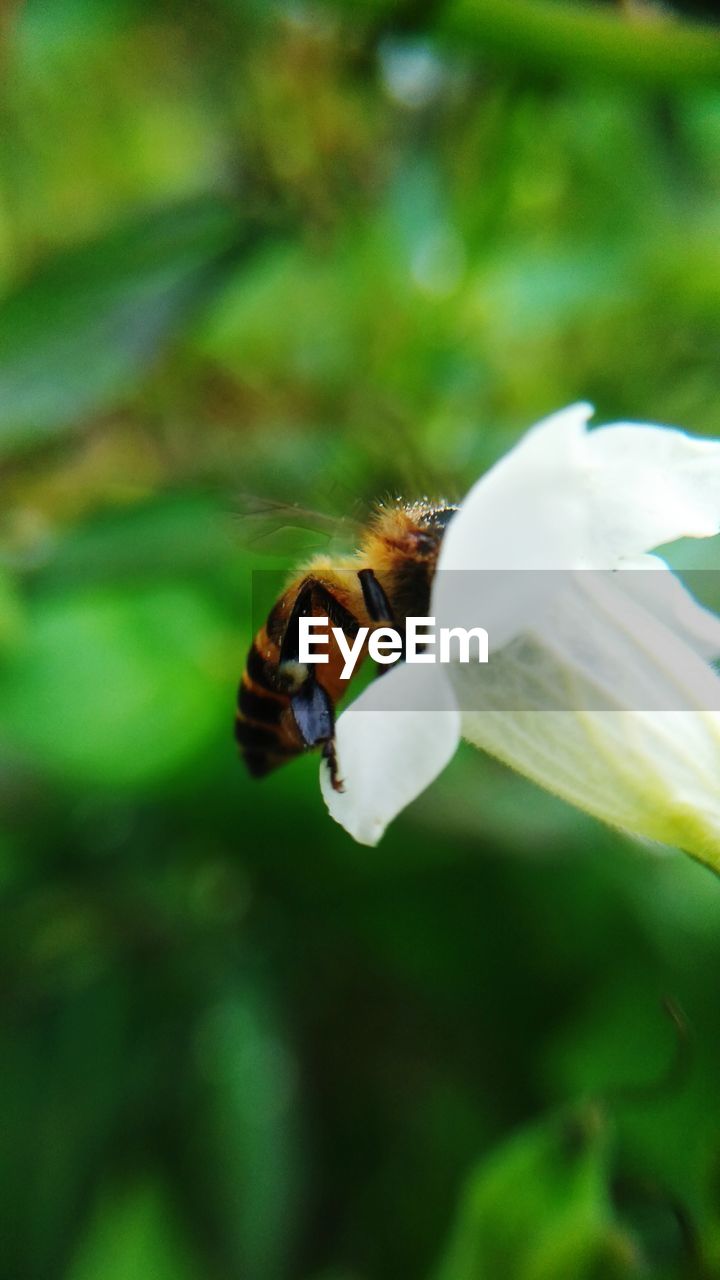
x=600, y=762
x=527, y=513
x=669, y=600
x=390, y=747
x=566, y=498
x=526, y=510
x=605, y=662
x=652, y=485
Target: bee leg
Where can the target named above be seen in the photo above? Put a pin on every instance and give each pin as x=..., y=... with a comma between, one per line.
x=311, y=596
x=329, y=754
x=315, y=718
x=376, y=602
x=290, y=647
x=311, y=705
x=336, y=612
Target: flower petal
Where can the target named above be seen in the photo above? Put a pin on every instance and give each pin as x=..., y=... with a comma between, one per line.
x=386, y=755
x=667, y=597
x=568, y=498
x=612, y=711
x=651, y=485
x=527, y=513
x=527, y=510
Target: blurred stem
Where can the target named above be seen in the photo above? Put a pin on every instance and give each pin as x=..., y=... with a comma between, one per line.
x=658, y=51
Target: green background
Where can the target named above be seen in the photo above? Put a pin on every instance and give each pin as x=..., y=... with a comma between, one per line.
x=319, y=254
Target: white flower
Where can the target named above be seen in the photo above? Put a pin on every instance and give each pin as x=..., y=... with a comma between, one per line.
x=599, y=684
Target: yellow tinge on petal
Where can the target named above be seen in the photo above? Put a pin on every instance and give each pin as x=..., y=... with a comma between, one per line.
x=609, y=763
x=607, y=707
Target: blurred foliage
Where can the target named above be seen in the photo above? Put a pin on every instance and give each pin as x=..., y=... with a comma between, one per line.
x=317, y=253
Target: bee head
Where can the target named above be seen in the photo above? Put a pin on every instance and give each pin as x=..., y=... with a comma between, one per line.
x=431, y=526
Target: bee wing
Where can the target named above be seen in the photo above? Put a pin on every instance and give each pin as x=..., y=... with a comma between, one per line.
x=272, y=527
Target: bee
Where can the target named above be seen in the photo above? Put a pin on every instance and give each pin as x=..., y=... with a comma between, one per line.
x=286, y=708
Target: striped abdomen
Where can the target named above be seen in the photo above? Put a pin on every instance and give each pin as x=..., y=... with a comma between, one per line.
x=265, y=728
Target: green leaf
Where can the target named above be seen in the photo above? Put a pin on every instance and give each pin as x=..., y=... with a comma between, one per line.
x=12, y=617
x=538, y=1209
x=118, y=687
x=62, y=1072
x=136, y=1233
x=82, y=331
x=586, y=40
x=242, y=1128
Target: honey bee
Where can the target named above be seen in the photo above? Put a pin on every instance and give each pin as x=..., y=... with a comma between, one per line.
x=285, y=707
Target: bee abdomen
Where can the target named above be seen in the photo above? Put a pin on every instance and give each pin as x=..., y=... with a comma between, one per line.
x=258, y=737
x=260, y=731
x=265, y=708
x=263, y=746
x=257, y=669
x=258, y=764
